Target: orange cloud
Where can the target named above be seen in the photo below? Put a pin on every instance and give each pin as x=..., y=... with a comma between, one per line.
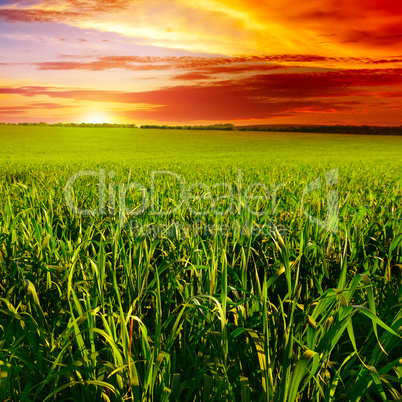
x=209, y=65
x=331, y=28
x=339, y=27
x=247, y=59
x=31, y=16
x=263, y=96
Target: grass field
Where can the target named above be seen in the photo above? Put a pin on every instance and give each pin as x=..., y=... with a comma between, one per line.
x=226, y=297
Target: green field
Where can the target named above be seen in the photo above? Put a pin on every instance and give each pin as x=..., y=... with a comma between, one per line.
x=165, y=296
x=61, y=145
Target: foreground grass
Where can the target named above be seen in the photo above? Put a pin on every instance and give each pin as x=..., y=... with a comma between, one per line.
x=93, y=309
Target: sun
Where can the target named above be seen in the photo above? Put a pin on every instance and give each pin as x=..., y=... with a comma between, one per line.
x=96, y=118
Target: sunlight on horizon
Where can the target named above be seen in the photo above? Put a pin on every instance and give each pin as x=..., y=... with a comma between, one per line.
x=96, y=118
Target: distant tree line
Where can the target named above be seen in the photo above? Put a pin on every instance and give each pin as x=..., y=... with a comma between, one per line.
x=208, y=127
x=368, y=130
x=96, y=125
x=335, y=129
x=107, y=125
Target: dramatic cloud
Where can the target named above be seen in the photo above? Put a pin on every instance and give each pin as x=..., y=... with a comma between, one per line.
x=31, y=16
x=192, y=76
x=188, y=68
x=69, y=10
x=208, y=60
x=258, y=97
x=205, y=65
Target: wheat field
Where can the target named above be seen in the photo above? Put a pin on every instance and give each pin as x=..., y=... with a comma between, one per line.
x=218, y=277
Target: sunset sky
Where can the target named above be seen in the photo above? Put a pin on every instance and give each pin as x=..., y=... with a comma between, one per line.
x=201, y=61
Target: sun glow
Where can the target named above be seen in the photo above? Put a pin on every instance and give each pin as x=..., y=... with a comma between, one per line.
x=96, y=118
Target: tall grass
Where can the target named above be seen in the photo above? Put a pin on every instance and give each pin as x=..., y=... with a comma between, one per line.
x=93, y=310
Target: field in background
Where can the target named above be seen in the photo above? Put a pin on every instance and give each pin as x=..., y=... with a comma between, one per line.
x=98, y=145
x=231, y=306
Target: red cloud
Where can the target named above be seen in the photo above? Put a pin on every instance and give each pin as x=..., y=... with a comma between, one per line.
x=349, y=21
x=92, y=6
x=200, y=65
x=12, y=110
x=34, y=105
x=77, y=9
x=260, y=96
x=99, y=65
x=289, y=85
x=392, y=7
x=196, y=65
x=15, y=15
x=192, y=76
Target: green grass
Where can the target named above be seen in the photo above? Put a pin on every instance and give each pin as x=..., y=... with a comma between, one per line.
x=66, y=145
x=90, y=309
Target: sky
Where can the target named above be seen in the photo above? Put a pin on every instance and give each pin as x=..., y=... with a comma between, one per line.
x=201, y=61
